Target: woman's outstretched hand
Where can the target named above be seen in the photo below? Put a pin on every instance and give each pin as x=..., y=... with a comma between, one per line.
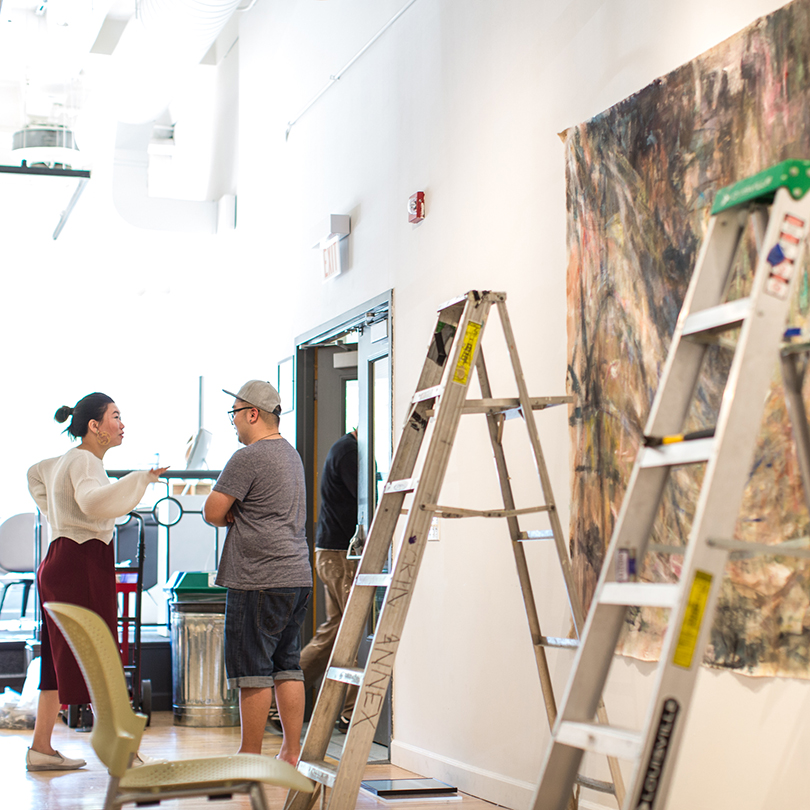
x=156, y=473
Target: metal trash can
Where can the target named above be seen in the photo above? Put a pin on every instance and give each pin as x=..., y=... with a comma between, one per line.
x=200, y=696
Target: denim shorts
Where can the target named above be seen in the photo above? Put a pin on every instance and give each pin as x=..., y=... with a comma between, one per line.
x=263, y=636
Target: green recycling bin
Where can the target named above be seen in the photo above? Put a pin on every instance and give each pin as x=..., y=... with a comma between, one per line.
x=200, y=695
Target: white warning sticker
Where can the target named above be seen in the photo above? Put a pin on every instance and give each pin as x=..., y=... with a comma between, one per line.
x=782, y=256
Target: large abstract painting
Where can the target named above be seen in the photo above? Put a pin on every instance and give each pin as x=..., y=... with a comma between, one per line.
x=641, y=178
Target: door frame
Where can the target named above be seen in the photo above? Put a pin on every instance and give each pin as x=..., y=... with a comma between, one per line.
x=360, y=318
x=306, y=441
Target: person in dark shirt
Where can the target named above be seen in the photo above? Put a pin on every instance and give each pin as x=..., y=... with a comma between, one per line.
x=337, y=522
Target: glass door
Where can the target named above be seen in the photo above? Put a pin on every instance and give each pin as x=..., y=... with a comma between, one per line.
x=374, y=457
x=374, y=425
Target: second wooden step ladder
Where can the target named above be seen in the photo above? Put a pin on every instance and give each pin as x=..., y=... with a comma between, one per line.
x=454, y=355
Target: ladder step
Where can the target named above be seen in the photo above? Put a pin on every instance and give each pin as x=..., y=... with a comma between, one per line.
x=459, y=512
x=743, y=548
x=561, y=643
x=510, y=404
x=542, y=534
x=720, y=318
x=596, y=784
x=647, y=594
x=319, y=771
x=660, y=548
x=403, y=485
x=609, y=740
x=352, y=675
x=373, y=580
x=670, y=455
x=427, y=393
x=788, y=349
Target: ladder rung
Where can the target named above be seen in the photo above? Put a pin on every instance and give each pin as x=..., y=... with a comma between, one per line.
x=659, y=548
x=562, y=643
x=403, y=485
x=596, y=784
x=319, y=771
x=670, y=455
x=741, y=548
x=609, y=740
x=510, y=404
x=352, y=675
x=647, y=594
x=788, y=349
x=427, y=393
x=373, y=580
x=510, y=407
x=541, y=534
x=459, y=512
x=724, y=316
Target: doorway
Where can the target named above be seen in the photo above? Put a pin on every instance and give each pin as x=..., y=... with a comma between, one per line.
x=343, y=373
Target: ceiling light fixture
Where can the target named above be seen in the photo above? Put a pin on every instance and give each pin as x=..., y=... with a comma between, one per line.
x=50, y=145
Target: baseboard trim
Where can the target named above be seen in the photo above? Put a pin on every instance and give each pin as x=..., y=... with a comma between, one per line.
x=584, y=804
x=488, y=785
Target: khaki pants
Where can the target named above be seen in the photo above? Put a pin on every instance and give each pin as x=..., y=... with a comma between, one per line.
x=337, y=574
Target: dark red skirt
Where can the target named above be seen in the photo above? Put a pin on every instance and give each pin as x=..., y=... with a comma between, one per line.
x=79, y=574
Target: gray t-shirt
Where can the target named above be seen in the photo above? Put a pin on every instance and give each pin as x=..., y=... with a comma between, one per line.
x=266, y=545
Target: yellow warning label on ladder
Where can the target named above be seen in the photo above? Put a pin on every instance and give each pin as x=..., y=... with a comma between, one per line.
x=692, y=619
x=462, y=374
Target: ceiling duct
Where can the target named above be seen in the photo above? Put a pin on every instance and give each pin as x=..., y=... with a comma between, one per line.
x=131, y=189
x=165, y=40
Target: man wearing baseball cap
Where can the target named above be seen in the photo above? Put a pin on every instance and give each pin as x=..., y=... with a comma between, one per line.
x=260, y=496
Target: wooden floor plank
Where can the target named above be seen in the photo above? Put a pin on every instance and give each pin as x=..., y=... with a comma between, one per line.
x=85, y=788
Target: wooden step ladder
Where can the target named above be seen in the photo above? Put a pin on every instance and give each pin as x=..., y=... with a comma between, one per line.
x=453, y=355
x=777, y=204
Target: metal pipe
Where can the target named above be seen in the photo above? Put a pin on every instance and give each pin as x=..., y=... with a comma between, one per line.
x=200, y=420
x=44, y=171
x=336, y=76
x=70, y=206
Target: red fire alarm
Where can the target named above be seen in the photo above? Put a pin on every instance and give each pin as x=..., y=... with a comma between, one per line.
x=416, y=207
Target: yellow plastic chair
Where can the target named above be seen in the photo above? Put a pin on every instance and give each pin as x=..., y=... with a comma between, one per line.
x=117, y=732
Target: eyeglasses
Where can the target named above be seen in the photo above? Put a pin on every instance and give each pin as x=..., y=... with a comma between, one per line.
x=232, y=414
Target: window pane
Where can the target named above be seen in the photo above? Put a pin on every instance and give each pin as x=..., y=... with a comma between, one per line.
x=381, y=393
x=351, y=405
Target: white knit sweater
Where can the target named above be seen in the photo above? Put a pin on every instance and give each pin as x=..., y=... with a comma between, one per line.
x=78, y=499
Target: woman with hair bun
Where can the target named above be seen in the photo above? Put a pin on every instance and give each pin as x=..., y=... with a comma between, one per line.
x=81, y=504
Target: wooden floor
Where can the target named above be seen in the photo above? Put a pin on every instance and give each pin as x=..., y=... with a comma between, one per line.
x=85, y=788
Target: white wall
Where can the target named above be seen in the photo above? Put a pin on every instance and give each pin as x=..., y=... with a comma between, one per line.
x=464, y=99
x=461, y=99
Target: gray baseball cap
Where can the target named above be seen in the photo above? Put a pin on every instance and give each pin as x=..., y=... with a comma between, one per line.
x=259, y=394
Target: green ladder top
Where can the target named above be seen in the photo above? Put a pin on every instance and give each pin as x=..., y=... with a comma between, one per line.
x=791, y=174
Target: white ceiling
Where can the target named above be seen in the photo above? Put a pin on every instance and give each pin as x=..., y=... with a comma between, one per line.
x=55, y=68
x=46, y=65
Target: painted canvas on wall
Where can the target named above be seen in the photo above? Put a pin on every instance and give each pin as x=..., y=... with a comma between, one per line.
x=641, y=178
